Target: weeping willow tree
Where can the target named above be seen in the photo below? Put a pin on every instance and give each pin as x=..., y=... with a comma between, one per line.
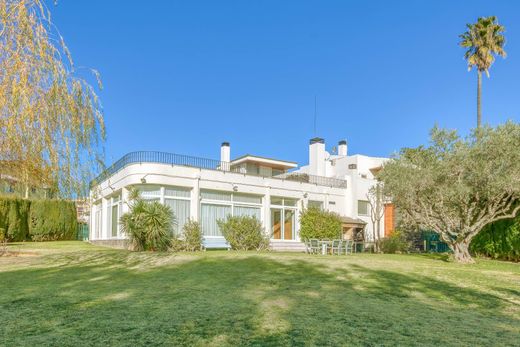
x=51, y=122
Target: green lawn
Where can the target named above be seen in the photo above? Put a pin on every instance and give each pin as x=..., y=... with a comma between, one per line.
x=75, y=294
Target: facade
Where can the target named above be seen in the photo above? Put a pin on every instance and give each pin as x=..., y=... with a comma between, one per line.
x=275, y=191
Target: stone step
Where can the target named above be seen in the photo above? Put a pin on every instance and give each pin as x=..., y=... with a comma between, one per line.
x=289, y=246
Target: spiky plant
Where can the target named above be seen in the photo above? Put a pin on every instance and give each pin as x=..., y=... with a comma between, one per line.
x=148, y=224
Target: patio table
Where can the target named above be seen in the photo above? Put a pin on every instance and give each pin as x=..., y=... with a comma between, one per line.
x=324, y=245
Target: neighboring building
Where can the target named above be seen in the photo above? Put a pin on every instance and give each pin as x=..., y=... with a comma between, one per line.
x=275, y=191
x=10, y=185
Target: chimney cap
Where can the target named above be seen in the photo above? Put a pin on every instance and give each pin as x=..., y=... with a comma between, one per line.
x=317, y=140
x=225, y=144
x=342, y=142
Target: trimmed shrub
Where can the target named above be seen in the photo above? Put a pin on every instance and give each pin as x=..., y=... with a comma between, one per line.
x=192, y=235
x=39, y=220
x=499, y=240
x=189, y=240
x=52, y=220
x=13, y=218
x=148, y=224
x=244, y=233
x=395, y=243
x=316, y=223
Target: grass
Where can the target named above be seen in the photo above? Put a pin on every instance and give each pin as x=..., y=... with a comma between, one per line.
x=72, y=293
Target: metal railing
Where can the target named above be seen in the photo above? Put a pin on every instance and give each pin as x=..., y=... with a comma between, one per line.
x=208, y=164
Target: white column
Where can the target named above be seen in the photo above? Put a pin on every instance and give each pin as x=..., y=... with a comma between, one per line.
x=266, y=203
x=195, y=201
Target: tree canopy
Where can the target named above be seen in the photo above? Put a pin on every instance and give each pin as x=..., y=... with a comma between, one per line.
x=51, y=123
x=457, y=186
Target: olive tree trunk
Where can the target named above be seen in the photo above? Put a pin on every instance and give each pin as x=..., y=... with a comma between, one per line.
x=461, y=251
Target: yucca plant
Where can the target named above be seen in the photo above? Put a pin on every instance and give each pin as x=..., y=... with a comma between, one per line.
x=148, y=224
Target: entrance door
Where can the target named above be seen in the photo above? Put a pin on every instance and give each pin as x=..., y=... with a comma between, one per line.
x=276, y=223
x=288, y=225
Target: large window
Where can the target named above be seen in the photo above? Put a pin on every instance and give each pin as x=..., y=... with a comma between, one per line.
x=216, y=205
x=179, y=201
x=363, y=208
x=114, y=212
x=178, y=198
x=283, y=212
x=97, y=220
x=315, y=204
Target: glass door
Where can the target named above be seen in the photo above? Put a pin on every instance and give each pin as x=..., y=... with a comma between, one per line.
x=276, y=223
x=288, y=225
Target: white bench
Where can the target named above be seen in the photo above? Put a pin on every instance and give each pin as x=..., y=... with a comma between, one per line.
x=215, y=243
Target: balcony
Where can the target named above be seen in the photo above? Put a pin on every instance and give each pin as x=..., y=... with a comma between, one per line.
x=207, y=164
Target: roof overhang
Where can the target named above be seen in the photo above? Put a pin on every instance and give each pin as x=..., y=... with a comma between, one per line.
x=275, y=163
x=353, y=222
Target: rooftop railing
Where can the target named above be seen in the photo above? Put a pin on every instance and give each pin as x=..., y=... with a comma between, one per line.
x=208, y=164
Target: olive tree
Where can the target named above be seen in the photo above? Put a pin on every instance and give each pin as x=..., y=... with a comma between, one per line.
x=456, y=186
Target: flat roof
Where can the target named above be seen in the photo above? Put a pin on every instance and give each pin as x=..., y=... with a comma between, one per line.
x=263, y=160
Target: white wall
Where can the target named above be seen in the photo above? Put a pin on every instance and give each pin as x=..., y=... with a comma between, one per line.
x=197, y=179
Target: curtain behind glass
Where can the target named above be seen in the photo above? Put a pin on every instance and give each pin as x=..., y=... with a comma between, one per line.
x=247, y=211
x=181, y=212
x=209, y=216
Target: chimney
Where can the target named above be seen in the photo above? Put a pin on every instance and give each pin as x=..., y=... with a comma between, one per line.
x=317, y=156
x=225, y=153
x=342, y=148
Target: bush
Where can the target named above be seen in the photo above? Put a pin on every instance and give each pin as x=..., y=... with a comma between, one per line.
x=499, y=240
x=52, y=220
x=192, y=235
x=190, y=240
x=395, y=243
x=244, y=233
x=13, y=218
x=39, y=220
x=148, y=224
x=316, y=223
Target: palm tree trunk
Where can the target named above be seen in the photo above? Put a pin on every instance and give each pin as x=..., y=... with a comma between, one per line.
x=479, y=97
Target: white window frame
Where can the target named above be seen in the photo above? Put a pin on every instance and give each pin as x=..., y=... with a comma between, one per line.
x=284, y=207
x=111, y=203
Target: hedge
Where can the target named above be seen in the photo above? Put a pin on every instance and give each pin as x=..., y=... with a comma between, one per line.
x=37, y=220
x=316, y=223
x=499, y=240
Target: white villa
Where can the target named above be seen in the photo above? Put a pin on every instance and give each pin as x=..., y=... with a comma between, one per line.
x=275, y=191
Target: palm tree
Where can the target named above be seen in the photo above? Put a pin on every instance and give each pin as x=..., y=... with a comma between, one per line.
x=483, y=41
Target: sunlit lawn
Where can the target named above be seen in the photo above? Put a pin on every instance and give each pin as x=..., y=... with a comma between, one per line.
x=75, y=294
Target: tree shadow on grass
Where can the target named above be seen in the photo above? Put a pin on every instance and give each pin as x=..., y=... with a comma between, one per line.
x=129, y=299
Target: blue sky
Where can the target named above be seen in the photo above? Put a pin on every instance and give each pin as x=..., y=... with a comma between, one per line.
x=183, y=76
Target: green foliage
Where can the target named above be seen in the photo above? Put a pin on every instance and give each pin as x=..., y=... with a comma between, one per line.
x=244, y=233
x=316, y=223
x=483, y=40
x=395, y=243
x=500, y=240
x=37, y=220
x=192, y=235
x=148, y=225
x=52, y=220
x=456, y=186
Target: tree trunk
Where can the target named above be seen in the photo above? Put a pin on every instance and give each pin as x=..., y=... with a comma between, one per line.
x=461, y=252
x=479, y=97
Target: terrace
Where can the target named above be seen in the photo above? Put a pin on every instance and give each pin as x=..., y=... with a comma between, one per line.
x=173, y=159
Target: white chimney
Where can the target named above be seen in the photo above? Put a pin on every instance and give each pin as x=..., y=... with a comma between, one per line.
x=342, y=148
x=317, y=157
x=225, y=153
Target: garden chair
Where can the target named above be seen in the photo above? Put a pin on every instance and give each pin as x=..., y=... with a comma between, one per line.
x=308, y=249
x=336, y=247
x=315, y=246
x=348, y=245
